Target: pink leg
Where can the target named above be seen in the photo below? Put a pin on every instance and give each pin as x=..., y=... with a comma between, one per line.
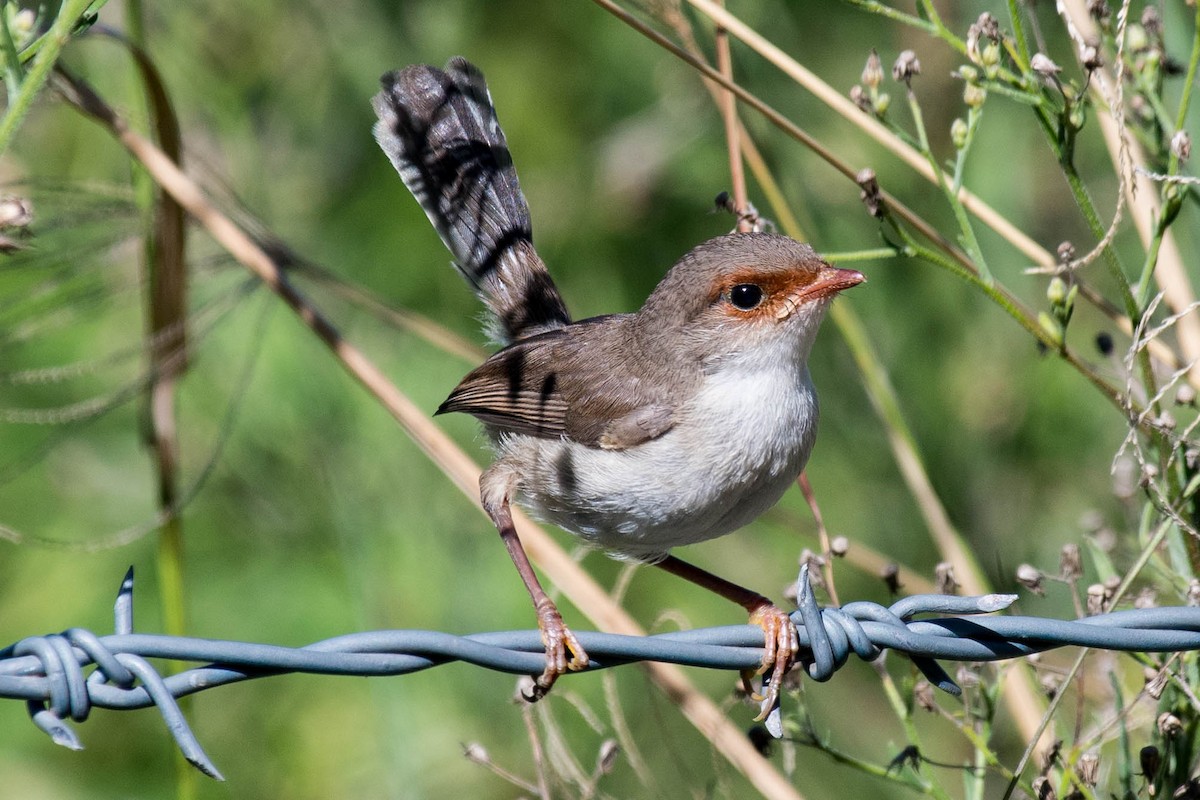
x=781, y=642
x=496, y=484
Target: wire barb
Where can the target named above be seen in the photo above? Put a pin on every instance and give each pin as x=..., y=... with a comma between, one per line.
x=48, y=671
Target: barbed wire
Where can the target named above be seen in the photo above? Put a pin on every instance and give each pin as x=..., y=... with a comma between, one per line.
x=48, y=671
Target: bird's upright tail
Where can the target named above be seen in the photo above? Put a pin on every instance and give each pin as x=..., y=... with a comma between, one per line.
x=440, y=131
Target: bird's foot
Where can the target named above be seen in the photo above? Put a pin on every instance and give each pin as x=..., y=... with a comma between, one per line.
x=782, y=644
x=563, y=651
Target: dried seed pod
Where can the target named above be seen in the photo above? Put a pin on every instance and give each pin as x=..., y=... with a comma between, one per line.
x=1097, y=598
x=477, y=753
x=1043, y=789
x=15, y=212
x=891, y=577
x=1169, y=725
x=989, y=26
x=1070, y=562
x=944, y=580
x=1031, y=578
x=606, y=759
x=871, y=194
x=1181, y=145
x=859, y=97
x=906, y=67
x=1088, y=768
x=924, y=696
x=1156, y=681
x=1042, y=65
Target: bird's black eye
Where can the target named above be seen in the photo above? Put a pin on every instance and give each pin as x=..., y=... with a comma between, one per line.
x=745, y=296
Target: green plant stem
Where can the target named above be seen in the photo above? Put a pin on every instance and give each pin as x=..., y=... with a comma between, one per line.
x=887, y=12
x=1019, y=38
x=39, y=69
x=1019, y=95
x=1160, y=228
x=940, y=29
x=1013, y=308
x=1084, y=201
x=990, y=759
x=14, y=72
x=910, y=780
x=960, y=213
x=903, y=712
x=1190, y=80
x=960, y=161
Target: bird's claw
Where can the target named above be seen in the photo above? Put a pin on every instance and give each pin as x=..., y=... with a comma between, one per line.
x=781, y=646
x=563, y=651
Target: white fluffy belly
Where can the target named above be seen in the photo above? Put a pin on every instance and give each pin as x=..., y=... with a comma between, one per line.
x=738, y=445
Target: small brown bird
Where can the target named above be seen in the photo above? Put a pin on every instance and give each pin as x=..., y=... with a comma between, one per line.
x=636, y=432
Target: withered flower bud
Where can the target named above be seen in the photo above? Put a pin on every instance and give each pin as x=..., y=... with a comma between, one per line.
x=859, y=97
x=944, y=580
x=15, y=212
x=891, y=577
x=1041, y=64
x=1152, y=21
x=1156, y=681
x=989, y=26
x=1169, y=725
x=1051, y=756
x=1088, y=768
x=923, y=694
x=871, y=195
x=872, y=74
x=1181, y=145
x=1043, y=789
x=974, y=34
x=906, y=66
x=814, y=563
x=606, y=759
x=477, y=753
x=1070, y=562
x=1031, y=578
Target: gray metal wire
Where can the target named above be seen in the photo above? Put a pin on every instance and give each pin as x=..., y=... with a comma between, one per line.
x=48, y=671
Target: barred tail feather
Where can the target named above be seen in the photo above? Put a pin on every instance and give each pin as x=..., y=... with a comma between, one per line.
x=440, y=131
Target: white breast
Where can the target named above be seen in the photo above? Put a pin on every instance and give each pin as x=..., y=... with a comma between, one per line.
x=738, y=445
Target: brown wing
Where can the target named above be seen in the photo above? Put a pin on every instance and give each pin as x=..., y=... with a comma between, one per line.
x=581, y=383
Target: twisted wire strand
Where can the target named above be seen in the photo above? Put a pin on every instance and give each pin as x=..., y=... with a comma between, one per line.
x=48, y=671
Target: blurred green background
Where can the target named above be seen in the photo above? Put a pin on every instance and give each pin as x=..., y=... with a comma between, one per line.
x=319, y=517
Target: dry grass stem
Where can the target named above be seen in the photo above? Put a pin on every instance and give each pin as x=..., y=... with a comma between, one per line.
x=727, y=103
